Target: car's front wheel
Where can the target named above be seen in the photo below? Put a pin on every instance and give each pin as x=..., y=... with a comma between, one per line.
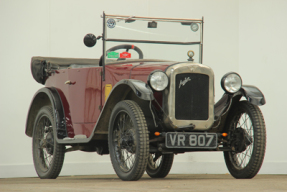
x=247, y=140
x=158, y=165
x=128, y=140
x=48, y=155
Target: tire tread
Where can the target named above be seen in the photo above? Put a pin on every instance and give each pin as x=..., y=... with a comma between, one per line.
x=255, y=163
x=59, y=152
x=143, y=139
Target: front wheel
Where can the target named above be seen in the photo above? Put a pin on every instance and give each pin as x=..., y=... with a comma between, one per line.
x=48, y=155
x=158, y=165
x=247, y=139
x=128, y=140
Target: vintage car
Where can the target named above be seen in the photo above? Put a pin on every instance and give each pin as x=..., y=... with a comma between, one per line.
x=147, y=98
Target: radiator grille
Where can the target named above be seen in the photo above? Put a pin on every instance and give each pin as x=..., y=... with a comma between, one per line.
x=192, y=96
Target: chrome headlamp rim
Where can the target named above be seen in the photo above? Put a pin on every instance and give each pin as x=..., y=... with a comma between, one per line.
x=153, y=86
x=224, y=86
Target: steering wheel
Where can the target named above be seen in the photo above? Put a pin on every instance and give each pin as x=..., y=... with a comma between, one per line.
x=124, y=46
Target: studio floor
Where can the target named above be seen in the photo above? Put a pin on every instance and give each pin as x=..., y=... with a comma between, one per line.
x=173, y=182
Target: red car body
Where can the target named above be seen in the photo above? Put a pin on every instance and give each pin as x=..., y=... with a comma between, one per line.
x=85, y=95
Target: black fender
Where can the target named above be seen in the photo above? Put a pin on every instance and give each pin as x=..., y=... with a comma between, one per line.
x=140, y=88
x=125, y=89
x=253, y=95
x=47, y=96
x=228, y=101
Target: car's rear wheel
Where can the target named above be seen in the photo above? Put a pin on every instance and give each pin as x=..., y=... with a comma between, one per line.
x=247, y=139
x=48, y=155
x=128, y=140
x=158, y=165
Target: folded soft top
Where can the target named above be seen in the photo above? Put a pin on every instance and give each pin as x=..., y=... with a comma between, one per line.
x=40, y=65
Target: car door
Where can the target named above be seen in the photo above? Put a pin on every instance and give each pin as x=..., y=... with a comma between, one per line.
x=84, y=98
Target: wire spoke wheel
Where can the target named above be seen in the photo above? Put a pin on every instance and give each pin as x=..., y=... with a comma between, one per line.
x=124, y=141
x=128, y=140
x=48, y=156
x=241, y=160
x=159, y=165
x=154, y=161
x=45, y=143
x=247, y=140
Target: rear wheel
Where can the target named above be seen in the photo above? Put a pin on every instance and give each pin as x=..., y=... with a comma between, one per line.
x=48, y=155
x=247, y=139
x=128, y=140
x=158, y=165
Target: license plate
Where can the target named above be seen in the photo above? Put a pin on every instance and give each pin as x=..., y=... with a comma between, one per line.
x=191, y=140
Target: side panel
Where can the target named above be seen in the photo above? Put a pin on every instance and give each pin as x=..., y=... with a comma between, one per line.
x=80, y=91
x=85, y=98
x=115, y=73
x=125, y=89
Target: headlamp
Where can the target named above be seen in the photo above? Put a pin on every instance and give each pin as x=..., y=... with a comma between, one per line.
x=158, y=80
x=231, y=82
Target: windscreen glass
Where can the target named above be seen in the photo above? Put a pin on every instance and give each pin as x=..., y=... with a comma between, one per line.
x=147, y=38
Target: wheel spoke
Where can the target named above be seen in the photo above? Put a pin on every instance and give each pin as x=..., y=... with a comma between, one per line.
x=46, y=151
x=247, y=140
x=43, y=142
x=242, y=159
x=154, y=161
x=124, y=141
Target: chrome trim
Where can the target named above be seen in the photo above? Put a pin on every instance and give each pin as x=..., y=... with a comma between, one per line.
x=169, y=96
x=104, y=36
x=155, y=42
x=201, y=40
x=152, y=18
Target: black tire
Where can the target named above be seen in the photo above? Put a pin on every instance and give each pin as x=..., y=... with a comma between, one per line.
x=158, y=166
x=246, y=159
x=48, y=155
x=128, y=140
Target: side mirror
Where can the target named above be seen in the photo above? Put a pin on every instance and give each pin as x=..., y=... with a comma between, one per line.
x=90, y=40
